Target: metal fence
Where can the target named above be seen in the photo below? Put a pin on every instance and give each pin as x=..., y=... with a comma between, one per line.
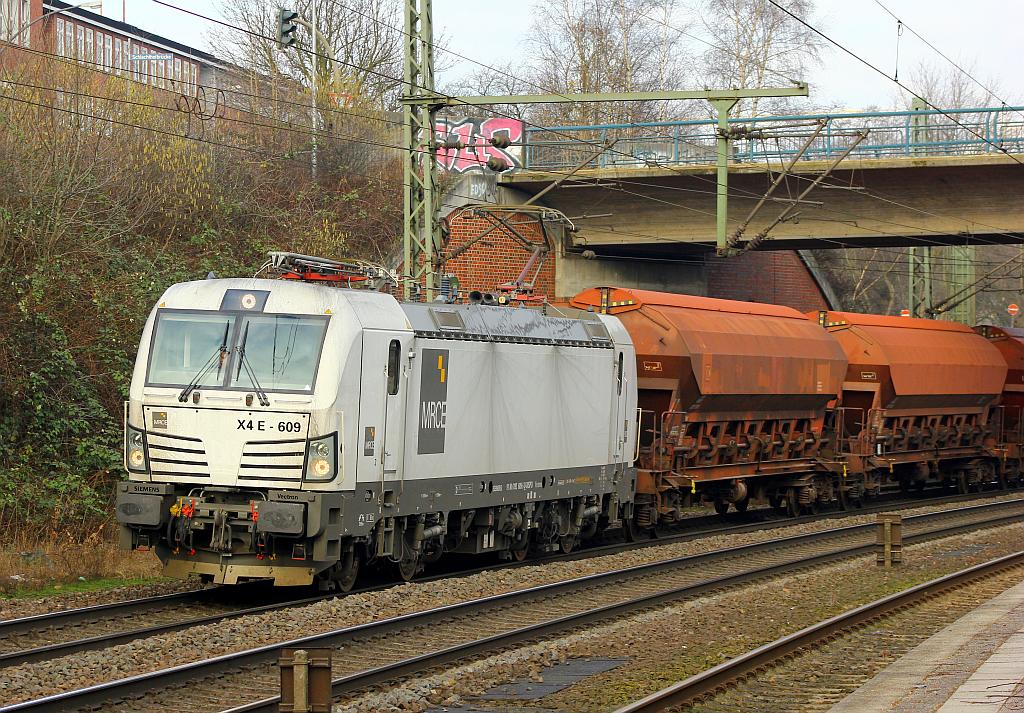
x=772, y=139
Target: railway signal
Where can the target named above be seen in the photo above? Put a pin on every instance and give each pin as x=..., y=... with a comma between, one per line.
x=904, y=313
x=286, y=27
x=1013, y=308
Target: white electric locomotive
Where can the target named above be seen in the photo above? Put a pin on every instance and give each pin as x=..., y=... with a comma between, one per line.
x=291, y=430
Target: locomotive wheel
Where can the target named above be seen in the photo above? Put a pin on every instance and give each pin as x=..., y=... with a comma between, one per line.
x=407, y=568
x=409, y=564
x=521, y=547
x=348, y=570
x=721, y=507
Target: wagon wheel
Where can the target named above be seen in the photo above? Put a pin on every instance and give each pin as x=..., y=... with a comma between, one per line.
x=567, y=543
x=844, y=499
x=962, y=484
x=792, y=502
x=721, y=507
x=630, y=530
x=742, y=505
x=812, y=507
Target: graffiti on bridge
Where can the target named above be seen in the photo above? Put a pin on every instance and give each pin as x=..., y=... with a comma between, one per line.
x=474, y=143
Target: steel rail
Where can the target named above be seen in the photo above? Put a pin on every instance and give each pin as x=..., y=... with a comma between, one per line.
x=65, y=617
x=86, y=615
x=715, y=678
x=141, y=684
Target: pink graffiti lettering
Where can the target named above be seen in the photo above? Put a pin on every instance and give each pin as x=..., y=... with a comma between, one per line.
x=475, y=136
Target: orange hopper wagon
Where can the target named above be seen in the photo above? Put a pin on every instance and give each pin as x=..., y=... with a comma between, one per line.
x=918, y=400
x=1010, y=343
x=733, y=396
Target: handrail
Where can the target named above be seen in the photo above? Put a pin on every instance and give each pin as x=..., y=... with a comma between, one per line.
x=952, y=132
x=787, y=117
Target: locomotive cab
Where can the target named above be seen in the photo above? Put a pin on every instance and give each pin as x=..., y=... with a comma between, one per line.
x=241, y=431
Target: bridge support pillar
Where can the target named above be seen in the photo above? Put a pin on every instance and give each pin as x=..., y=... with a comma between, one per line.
x=723, y=107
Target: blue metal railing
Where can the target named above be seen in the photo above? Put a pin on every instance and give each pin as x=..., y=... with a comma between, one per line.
x=953, y=132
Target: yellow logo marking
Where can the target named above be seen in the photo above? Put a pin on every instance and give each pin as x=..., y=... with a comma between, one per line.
x=440, y=366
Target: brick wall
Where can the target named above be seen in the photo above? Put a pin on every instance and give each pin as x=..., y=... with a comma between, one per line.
x=499, y=257
x=776, y=277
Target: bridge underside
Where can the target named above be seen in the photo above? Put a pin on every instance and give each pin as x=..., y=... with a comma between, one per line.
x=903, y=202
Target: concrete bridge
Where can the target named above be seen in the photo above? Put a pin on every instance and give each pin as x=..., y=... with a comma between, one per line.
x=919, y=177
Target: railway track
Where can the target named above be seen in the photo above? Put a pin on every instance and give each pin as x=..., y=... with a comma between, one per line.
x=821, y=663
x=386, y=650
x=47, y=636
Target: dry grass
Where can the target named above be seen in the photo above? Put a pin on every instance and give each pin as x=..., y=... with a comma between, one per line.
x=62, y=561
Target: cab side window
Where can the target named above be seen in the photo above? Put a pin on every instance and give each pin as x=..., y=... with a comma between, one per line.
x=394, y=367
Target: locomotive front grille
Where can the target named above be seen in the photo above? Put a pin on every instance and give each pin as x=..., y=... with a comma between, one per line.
x=277, y=460
x=177, y=455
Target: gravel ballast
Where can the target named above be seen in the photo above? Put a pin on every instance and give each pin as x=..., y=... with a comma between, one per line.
x=669, y=644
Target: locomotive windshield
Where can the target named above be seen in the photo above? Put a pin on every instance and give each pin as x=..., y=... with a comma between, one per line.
x=282, y=351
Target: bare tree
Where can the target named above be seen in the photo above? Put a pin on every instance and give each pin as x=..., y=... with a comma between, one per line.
x=364, y=35
x=605, y=46
x=756, y=45
x=591, y=46
x=947, y=87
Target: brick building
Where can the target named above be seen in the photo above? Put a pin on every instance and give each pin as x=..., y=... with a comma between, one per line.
x=58, y=28
x=59, y=31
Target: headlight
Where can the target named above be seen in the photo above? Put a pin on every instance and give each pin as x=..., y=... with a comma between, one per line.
x=322, y=458
x=135, y=450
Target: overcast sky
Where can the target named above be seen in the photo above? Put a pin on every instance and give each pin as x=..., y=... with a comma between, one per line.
x=983, y=34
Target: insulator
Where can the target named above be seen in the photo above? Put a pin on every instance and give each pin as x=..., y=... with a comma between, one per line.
x=501, y=141
x=452, y=141
x=498, y=164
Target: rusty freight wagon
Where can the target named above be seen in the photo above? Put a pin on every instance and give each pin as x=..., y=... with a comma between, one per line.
x=918, y=401
x=733, y=400
x=1010, y=343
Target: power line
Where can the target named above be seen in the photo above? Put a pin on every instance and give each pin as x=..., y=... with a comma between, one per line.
x=945, y=57
x=446, y=96
x=898, y=83
x=99, y=68
x=394, y=79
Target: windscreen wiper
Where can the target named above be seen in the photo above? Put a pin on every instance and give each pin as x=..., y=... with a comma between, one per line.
x=243, y=361
x=219, y=357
